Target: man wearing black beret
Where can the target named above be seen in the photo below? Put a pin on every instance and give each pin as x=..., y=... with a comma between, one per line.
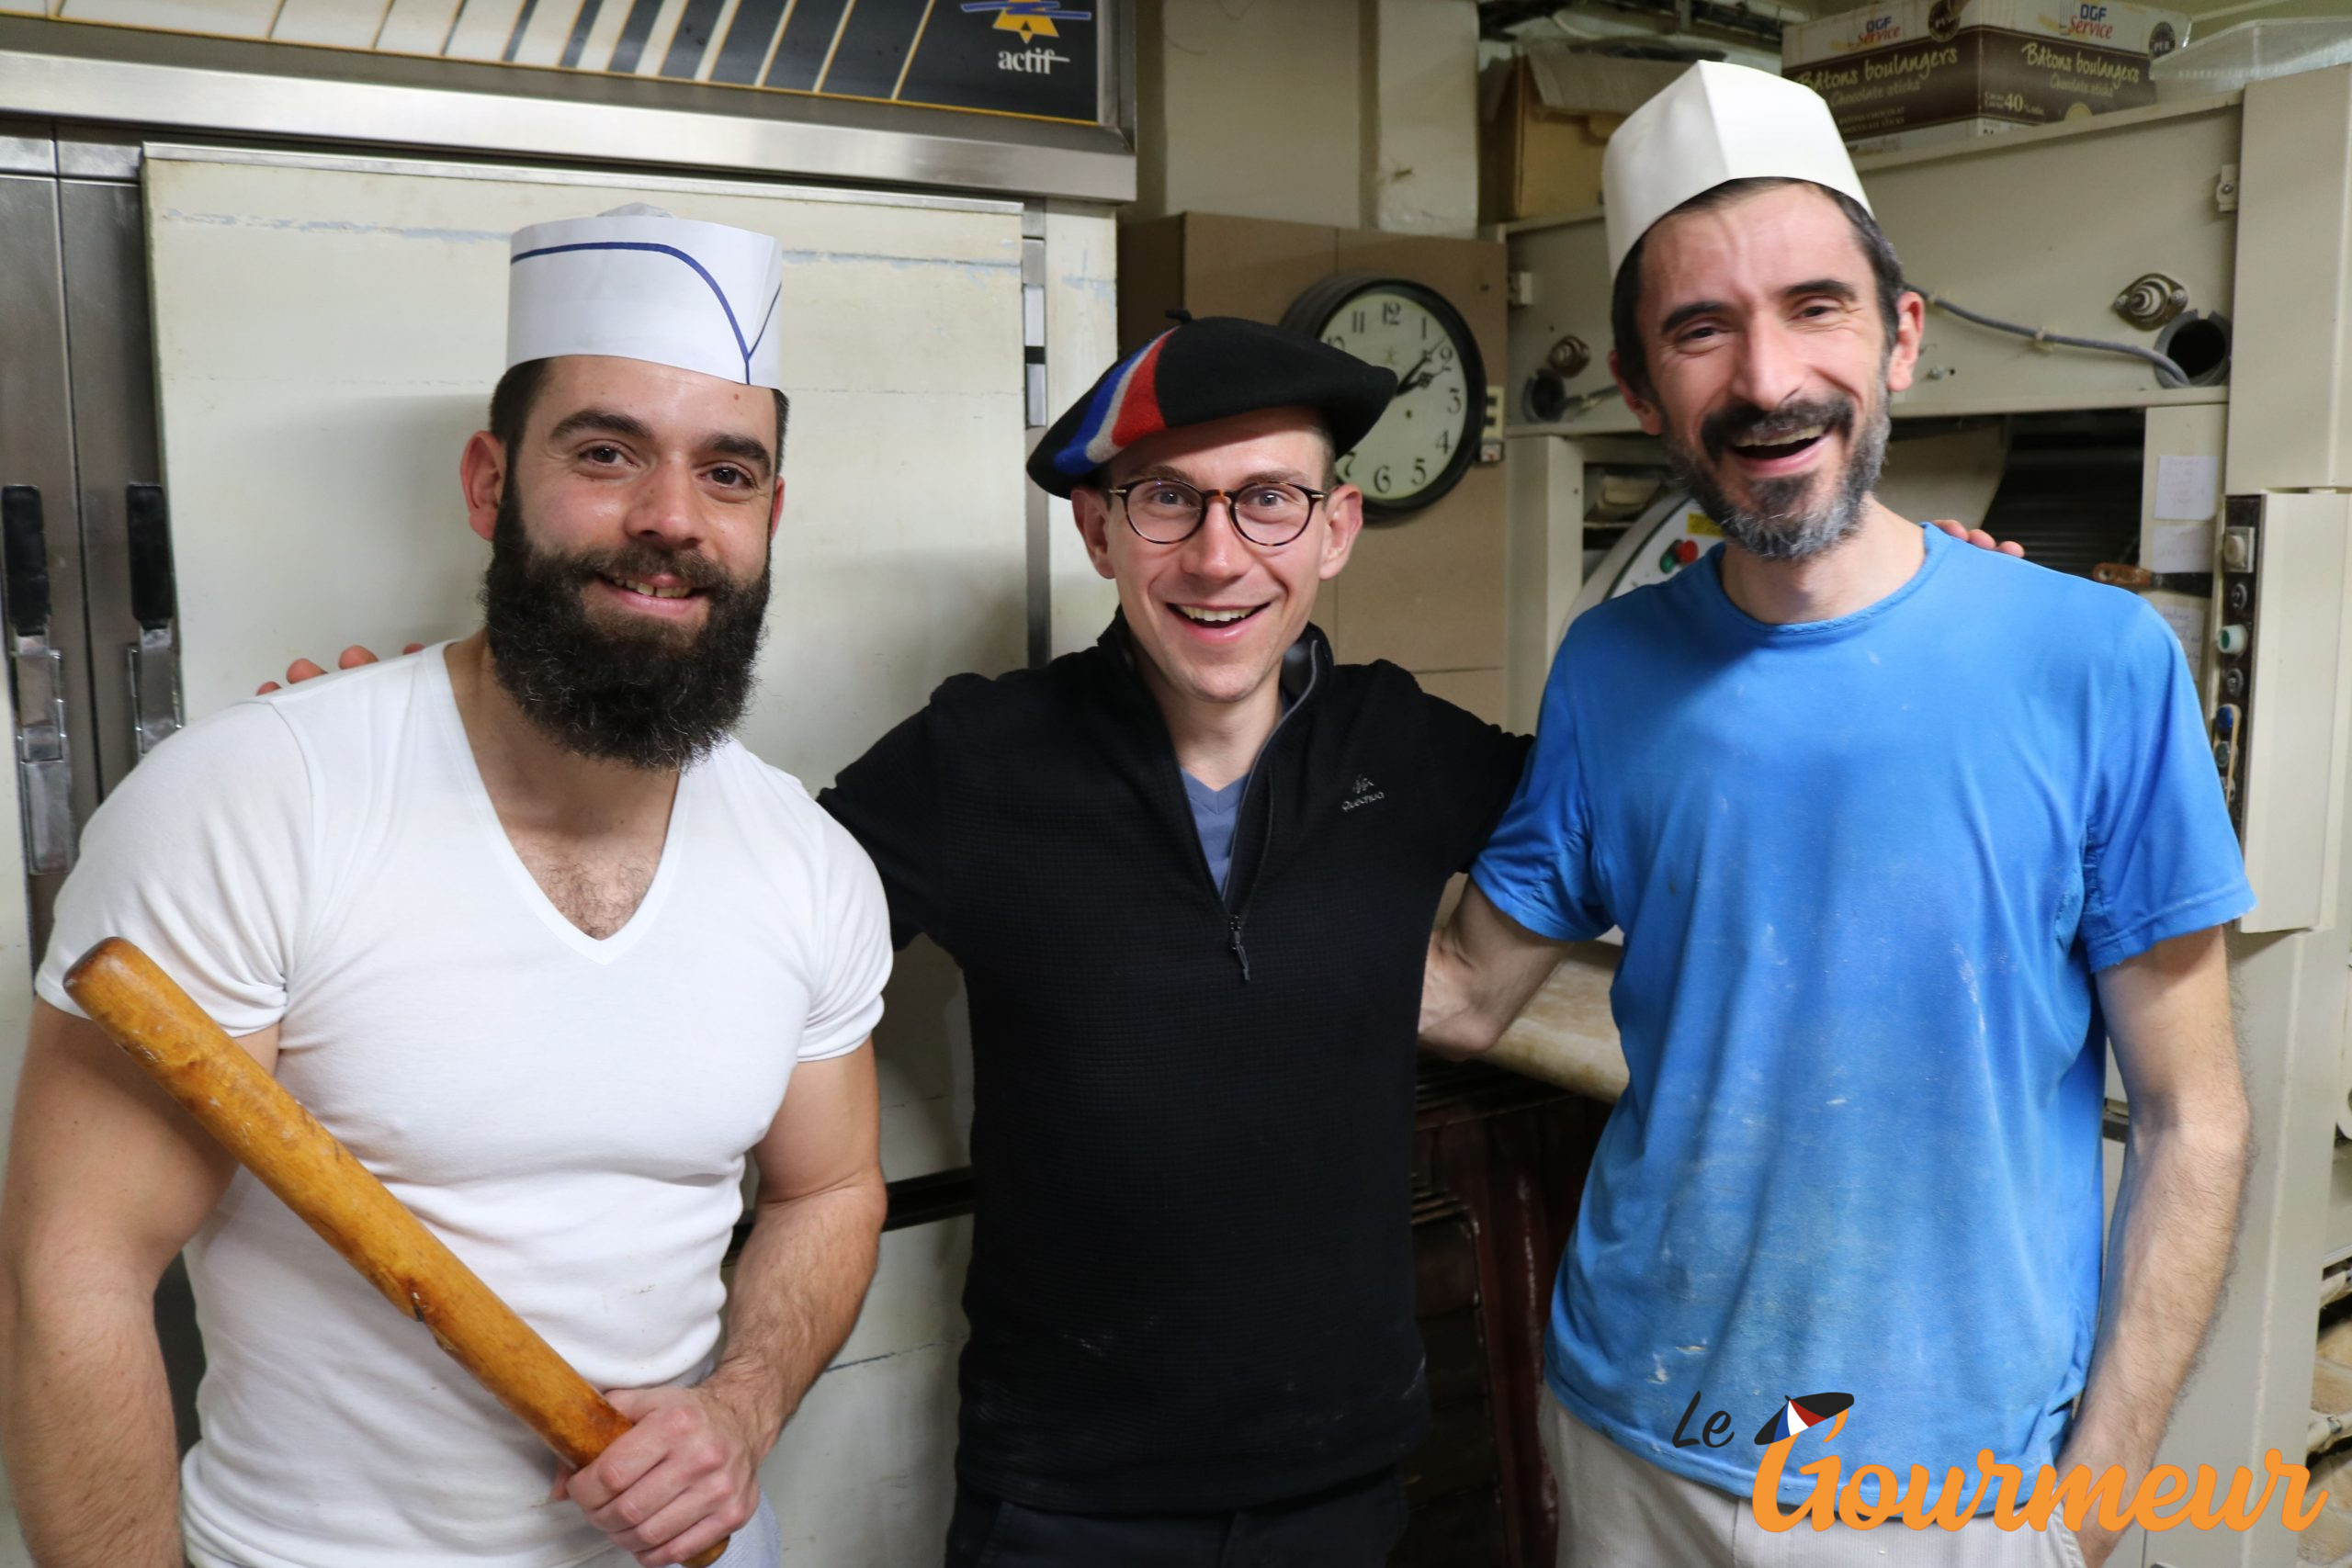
x=1190, y=875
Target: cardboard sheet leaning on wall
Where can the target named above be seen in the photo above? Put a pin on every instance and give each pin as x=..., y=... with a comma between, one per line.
x=1545, y=118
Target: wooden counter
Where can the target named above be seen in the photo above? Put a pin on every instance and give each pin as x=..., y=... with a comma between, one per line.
x=1499, y=1165
x=1566, y=1035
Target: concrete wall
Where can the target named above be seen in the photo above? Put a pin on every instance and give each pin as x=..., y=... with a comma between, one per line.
x=1419, y=125
x=1358, y=114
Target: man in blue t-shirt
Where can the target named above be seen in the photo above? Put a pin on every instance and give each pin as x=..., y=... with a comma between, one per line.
x=1897, y=833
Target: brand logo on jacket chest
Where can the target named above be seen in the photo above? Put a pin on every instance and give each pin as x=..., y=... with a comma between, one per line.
x=1362, y=792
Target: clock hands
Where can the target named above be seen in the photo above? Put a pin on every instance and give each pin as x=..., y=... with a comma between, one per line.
x=1420, y=376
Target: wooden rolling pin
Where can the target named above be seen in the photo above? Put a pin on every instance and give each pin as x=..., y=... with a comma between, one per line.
x=2117, y=574
x=250, y=1113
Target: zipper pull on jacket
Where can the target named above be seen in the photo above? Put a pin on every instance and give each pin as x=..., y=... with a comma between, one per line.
x=1233, y=924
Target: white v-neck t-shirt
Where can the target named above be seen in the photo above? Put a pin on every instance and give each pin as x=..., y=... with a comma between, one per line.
x=570, y=1115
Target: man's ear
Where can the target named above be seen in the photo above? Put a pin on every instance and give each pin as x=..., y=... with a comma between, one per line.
x=1910, y=330
x=1345, y=506
x=1644, y=410
x=481, y=472
x=775, y=507
x=1092, y=509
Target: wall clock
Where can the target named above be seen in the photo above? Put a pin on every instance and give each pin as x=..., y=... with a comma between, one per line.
x=1430, y=435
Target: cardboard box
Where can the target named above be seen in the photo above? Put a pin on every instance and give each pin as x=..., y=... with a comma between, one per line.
x=1548, y=115
x=1893, y=68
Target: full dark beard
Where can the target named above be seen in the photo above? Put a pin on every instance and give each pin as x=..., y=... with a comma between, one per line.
x=1778, y=525
x=652, y=697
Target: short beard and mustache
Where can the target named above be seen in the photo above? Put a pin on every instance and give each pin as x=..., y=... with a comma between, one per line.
x=651, y=696
x=1779, y=526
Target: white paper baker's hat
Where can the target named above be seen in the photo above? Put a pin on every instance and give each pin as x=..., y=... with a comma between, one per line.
x=642, y=284
x=1711, y=124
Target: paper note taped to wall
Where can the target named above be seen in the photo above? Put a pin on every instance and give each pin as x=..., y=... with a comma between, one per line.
x=2188, y=488
x=2180, y=546
x=2185, y=614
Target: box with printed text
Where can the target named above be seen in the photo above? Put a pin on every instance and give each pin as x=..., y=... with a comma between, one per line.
x=1891, y=69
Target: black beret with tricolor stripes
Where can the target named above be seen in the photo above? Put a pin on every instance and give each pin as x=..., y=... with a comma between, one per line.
x=1202, y=370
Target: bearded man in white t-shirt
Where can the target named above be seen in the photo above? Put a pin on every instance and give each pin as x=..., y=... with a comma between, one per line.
x=526, y=929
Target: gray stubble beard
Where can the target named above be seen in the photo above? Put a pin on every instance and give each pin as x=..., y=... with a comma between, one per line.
x=1778, y=528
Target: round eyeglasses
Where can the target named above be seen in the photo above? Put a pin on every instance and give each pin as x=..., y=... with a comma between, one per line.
x=1168, y=512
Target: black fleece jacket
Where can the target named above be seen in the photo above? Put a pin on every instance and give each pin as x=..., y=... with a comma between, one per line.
x=1191, y=1284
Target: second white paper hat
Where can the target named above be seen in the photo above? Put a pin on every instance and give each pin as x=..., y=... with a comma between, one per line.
x=1715, y=123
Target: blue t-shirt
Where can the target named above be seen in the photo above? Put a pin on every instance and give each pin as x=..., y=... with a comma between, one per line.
x=1866, y=869
x=1215, y=812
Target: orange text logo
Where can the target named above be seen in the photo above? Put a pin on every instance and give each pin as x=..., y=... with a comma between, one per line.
x=2166, y=1495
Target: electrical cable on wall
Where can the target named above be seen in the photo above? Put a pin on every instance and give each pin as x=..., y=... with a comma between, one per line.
x=2168, y=372
x=1583, y=403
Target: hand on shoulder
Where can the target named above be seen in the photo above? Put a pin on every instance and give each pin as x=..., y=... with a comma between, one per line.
x=1977, y=537
x=351, y=657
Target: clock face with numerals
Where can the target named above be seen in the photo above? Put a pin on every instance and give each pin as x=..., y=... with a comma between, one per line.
x=1430, y=434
